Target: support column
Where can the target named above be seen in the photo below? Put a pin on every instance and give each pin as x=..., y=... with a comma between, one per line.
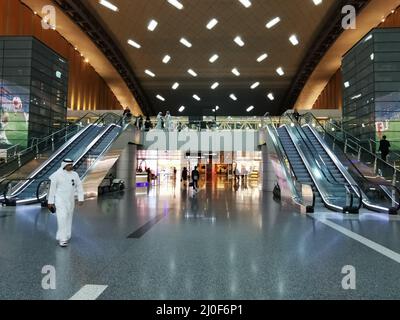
x=268, y=173
x=126, y=166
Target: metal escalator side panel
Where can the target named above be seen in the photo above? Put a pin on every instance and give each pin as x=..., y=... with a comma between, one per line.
x=312, y=174
x=283, y=176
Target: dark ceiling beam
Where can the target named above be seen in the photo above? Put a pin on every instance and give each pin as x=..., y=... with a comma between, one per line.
x=328, y=36
x=77, y=11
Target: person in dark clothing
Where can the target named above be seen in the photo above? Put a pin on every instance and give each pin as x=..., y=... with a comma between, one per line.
x=296, y=115
x=147, y=124
x=195, y=178
x=126, y=111
x=184, y=176
x=384, y=148
x=140, y=122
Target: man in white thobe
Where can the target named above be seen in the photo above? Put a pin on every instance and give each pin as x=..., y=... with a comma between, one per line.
x=65, y=184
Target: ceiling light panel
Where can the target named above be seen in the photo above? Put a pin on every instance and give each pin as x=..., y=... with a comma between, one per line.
x=245, y=3
x=175, y=86
x=215, y=85
x=192, y=72
x=185, y=42
x=176, y=4
x=152, y=25
x=150, y=73
x=273, y=22
x=159, y=97
x=181, y=109
x=271, y=96
x=262, y=57
x=212, y=23
x=238, y=40
x=214, y=58
x=317, y=2
x=249, y=109
x=255, y=85
x=196, y=97
x=233, y=97
x=134, y=44
x=166, y=59
x=109, y=5
x=280, y=71
x=236, y=72
x=294, y=40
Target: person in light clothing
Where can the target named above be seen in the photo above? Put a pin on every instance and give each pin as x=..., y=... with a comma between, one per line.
x=65, y=184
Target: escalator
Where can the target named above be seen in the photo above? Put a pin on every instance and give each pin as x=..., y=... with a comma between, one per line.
x=297, y=164
x=330, y=189
x=377, y=195
x=85, y=148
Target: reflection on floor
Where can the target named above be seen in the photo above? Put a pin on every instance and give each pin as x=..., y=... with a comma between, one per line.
x=228, y=241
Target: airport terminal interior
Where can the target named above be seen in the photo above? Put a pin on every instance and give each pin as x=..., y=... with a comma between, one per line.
x=199, y=150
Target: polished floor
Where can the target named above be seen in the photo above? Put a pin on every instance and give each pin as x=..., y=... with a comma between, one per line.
x=227, y=242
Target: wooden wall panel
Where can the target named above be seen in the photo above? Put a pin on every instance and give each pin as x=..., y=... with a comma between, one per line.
x=86, y=89
x=331, y=96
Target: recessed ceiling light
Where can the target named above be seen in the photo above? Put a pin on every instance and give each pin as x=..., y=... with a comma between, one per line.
x=159, y=97
x=150, y=73
x=176, y=4
x=217, y=108
x=280, y=71
x=271, y=96
x=134, y=44
x=251, y=108
x=233, y=97
x=236, y=72
x=191, y=72
x=212, y=24
x=293, y=39
x=175, y=86
x=215, y=85
x=152, y=25
x=214, y=58
x=246, y=3
x=185, y=43
x=372, y=56
x=182, y=108
x=196, y=97
x=347, y=84
x=166, y=59
x=317, y=2
x=273, y=22
x=239, y=41
x=108, y=5
x=255, y=85
x=262, y=57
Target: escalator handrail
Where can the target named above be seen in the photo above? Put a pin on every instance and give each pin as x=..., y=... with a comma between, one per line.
x=38, y=188
x=5, y=191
